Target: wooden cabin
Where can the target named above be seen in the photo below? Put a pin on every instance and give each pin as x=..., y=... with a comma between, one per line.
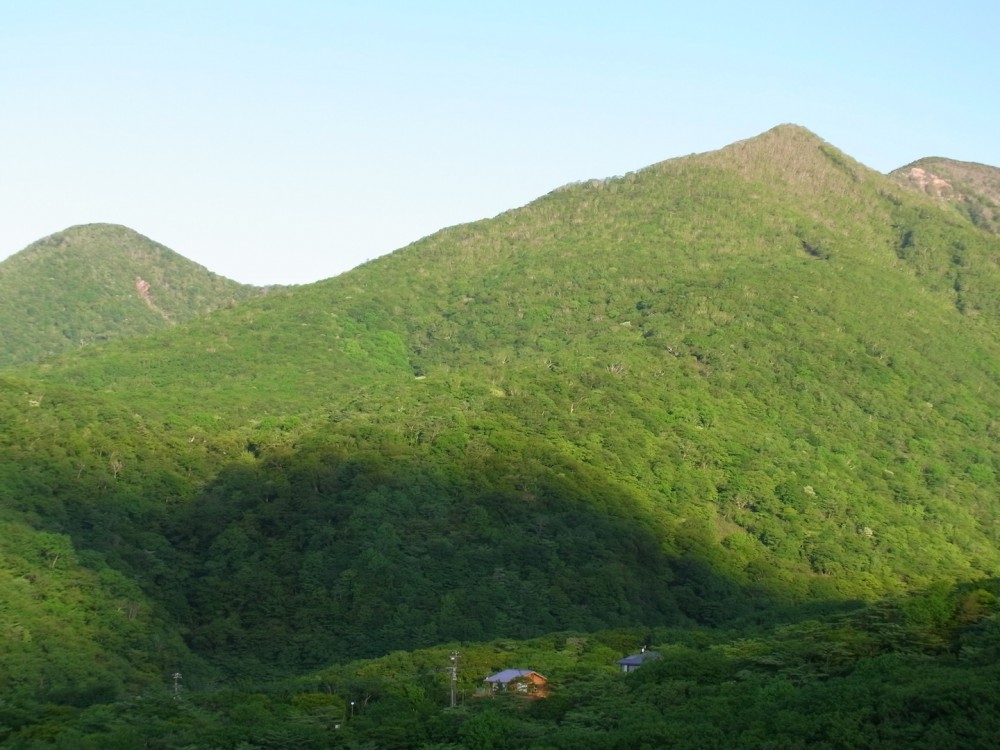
x=524, y=682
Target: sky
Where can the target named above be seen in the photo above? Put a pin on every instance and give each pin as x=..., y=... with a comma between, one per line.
x=287, y=142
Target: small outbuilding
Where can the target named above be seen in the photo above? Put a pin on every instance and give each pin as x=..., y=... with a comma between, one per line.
x=634, y=661
x=525, y=682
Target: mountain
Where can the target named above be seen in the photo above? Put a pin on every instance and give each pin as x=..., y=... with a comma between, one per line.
x=746, y=387
x=99, y=282
x=972, y=189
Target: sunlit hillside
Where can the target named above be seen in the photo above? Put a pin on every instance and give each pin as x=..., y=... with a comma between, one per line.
x=98, y=282
x=742, y=403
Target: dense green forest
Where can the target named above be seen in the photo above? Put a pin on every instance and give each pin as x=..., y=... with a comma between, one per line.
x=738, y=406
x=918, y=671
x=97, y=282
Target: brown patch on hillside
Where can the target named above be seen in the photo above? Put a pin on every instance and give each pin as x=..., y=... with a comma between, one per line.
x=142, y=288
x=973, y=189
x=929, y=183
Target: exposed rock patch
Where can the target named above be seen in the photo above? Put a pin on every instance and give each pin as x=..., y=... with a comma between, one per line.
x=142, y=288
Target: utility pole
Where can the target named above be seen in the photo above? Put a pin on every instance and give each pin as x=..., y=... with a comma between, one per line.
x=454, y=678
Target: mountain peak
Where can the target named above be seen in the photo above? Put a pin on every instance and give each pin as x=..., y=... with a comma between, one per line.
x=792, y=131
x=972, y=189
x=789, y=135
x=101, y=240
x=792, y=149
x=788, y=157
x=94, y=229
x=93, y=282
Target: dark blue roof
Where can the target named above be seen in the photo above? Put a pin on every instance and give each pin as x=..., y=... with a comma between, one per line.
x=636, y=659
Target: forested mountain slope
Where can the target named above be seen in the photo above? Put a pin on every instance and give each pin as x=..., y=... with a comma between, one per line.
x=97, y=282
x=723, y=388
x=972, y=189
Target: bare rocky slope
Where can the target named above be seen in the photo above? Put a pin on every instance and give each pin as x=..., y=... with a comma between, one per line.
x=970, y=188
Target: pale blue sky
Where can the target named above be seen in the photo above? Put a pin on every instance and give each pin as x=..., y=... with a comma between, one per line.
x=288, y=142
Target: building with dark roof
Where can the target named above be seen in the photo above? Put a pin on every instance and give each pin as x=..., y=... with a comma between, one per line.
x=634, y=661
